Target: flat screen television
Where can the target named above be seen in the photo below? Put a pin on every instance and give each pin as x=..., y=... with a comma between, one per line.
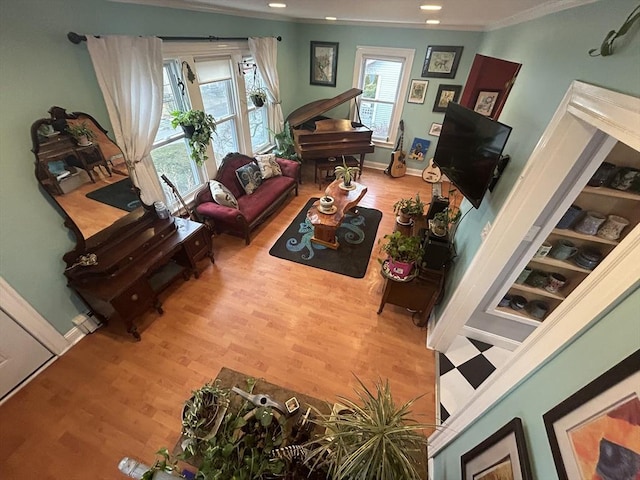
x=469, y=150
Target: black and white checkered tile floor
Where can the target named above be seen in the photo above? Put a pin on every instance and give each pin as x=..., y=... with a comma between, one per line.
x=462, y=369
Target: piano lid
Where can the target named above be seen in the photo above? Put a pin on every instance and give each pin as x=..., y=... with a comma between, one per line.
x=317, y=108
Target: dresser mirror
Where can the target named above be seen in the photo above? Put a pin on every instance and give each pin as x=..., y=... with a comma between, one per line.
x=73, y=170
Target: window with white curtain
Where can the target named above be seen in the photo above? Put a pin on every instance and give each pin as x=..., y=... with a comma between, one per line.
x=383, y=75
x=221, y=81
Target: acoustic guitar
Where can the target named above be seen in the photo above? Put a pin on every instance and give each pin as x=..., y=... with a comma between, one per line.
x=431, y=173
x=193, y=215
x=398, y=166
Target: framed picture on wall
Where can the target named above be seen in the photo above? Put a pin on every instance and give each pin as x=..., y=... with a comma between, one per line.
x=486, y=102
x=417, y=91
x=324, y=63
x=502, y=455
x=446, y=94
x=441, y=61
x=435, y=129
x=595, y=433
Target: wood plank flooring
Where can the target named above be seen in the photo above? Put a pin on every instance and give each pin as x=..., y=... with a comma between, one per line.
x=303, y=328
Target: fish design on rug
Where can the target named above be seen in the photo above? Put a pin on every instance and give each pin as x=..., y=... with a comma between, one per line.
x=354, y=236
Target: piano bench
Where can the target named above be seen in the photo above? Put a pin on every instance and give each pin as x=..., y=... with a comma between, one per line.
x=324, y=168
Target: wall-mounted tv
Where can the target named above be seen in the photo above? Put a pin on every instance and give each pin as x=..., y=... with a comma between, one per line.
x=469, y=150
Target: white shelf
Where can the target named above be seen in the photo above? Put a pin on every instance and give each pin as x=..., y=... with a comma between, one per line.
x=553, y=262
x=537, y=291
x=611, y=192
x=520, y=316
x=581, y=236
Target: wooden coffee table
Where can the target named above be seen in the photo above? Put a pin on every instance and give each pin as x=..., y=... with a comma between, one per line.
x=325, y=225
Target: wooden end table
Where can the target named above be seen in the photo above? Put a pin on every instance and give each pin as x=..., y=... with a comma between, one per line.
x=325, y=225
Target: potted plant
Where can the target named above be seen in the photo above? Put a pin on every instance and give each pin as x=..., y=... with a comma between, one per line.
x=198, y=127
x=82, y=133
x=408, y=208
x=370, y=438
x=326, y=203
x=444, y=222
x=258, y=95
x=200, y=413
x=347, y=174
x=403, y=252
x=285, y=145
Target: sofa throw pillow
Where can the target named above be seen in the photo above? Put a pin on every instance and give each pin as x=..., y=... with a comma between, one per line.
x=249, y=177
x=268, y=165
x=221, y=194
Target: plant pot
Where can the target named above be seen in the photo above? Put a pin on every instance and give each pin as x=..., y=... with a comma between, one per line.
x=400, y=269
x=404, y=218
x=257, y=101
x=326, y=203
x=188, y=130
x=83, y=141
x=439, y=229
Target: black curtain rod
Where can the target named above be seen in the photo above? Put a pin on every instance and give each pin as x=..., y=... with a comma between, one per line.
x=77, y=38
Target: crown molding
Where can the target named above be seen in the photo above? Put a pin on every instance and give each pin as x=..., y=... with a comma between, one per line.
x=538, y=11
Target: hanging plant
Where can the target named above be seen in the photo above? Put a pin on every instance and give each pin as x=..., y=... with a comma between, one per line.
x=198, y=128
x=606, y=48
x=258, y=96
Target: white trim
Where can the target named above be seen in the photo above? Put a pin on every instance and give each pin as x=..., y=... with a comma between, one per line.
x=23, y=313
x=74, y=335
x=490, y=338
x=26, y=381
x=538, y=11
x=584, y=108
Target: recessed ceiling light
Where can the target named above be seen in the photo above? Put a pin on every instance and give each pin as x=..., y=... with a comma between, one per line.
x=278, y=5
x=430, y=7
x=333, y=19
x=433, y=22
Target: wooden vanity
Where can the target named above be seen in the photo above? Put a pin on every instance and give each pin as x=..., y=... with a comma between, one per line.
x=120, y=271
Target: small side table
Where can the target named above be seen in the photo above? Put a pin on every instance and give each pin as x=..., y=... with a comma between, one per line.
x=419, y=294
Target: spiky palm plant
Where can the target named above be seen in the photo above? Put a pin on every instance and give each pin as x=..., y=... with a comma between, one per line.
x=373, y=439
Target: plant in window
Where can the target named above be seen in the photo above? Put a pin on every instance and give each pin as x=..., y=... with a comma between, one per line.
x=198, y=127
x=82, y=133
x=285, y=145
x=258, y=95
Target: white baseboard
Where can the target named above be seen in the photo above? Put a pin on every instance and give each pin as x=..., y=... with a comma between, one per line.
x=490, y=338
x=73, y=336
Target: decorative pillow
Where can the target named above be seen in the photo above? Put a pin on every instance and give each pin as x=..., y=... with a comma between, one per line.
x=268, y=165
x=221, y=194
x=249, y=177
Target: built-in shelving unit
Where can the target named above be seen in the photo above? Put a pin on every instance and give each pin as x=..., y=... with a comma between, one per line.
x=605, y=200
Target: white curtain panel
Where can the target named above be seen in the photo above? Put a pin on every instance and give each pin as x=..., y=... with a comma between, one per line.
x=265, y=54
x=129, y=72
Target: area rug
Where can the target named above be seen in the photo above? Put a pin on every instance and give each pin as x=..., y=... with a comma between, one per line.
x=356, y=236
x=120, y=195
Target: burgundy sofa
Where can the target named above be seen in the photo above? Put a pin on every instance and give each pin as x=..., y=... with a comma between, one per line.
x=252, y=209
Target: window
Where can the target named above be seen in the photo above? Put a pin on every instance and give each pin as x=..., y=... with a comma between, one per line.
x=220, y=90
x=383, y=76
x=170, y=152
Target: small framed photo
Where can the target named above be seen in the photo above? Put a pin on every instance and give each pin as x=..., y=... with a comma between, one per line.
x=435, y=129
x=419, y=148
x=417, y=91
x=441, y=61
x=501, y=455
x=324, y=63
x=594, y=433
x=486, y=102
x=446, y=94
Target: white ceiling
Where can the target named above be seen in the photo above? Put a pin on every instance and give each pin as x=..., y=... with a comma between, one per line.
x=455, y=14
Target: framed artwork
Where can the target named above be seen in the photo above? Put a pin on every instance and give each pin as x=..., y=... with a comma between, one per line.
x=441, y=61
x=501, y=456
x=486, y=101
x=324, y=63
x=418, y=148
x=417, y=91
x=446, y=94
x=435, y=129
x=595, y=433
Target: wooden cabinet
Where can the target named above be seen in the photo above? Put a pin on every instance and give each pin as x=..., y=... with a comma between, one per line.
x=605, y=200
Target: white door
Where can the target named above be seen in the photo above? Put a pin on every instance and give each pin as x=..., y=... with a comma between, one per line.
x=20, y=354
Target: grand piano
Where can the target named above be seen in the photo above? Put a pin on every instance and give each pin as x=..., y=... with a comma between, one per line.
x=318, y=137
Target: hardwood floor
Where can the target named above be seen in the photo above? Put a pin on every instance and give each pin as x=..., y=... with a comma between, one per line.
x=303, y=328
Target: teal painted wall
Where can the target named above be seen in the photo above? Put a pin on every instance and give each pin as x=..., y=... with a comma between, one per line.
x=614, y=337
x=553, y=53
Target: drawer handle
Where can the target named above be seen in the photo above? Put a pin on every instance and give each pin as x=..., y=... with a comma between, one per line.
x=134, y=297
x=197, y=243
